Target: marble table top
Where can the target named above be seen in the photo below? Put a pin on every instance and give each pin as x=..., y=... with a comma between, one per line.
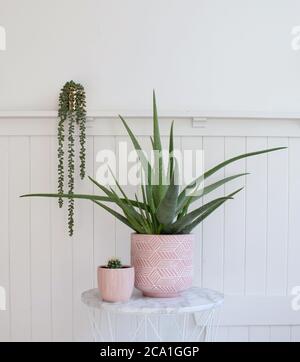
x=192, y=300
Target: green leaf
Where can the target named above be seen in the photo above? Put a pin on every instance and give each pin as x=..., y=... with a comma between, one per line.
x=144, y=162
x=181, y=223
x=68, y=196
x=146, y=224
x=203, y=216
x=149, y=214
x=117, y=215
x=210, y=172
x=159, y=182
x=187, y=200
x=171, y=153
x=156, y=133
x=130, y=213
x=152, y=142
x=133, y=216
x=166, y=211
x=79, y=196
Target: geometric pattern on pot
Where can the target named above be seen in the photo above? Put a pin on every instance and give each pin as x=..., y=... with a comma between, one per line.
x=163, y=263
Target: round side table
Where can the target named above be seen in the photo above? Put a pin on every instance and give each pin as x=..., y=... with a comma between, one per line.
x=193, y=316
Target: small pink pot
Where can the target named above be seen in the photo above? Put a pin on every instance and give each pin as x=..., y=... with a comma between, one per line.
x=116, y=285
x=163, y=263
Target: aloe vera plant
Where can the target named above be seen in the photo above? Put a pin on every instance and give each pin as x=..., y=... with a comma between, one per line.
x=163, y=207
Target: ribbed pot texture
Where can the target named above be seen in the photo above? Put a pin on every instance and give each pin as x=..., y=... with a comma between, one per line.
x=115, y=285
x=163, y=263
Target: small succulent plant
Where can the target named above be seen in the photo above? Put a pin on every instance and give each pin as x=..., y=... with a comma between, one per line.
x=114, y=263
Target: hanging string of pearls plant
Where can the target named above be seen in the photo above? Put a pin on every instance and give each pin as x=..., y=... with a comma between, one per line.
x=71, y=113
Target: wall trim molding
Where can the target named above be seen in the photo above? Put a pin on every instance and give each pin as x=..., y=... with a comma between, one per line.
x=25, y=125
x=163, y=114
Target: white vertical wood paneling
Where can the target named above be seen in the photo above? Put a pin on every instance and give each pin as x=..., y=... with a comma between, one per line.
x=104, y=223
x=295, y=334
x=280, y=334
x=294, y=214
x=123, y=232
x=83, y=243
x=40, y=226
x=259, y=334
x=294, y=225
x=249, y=246
x=234, y=232
x=213, y=227
x=195, y=144
x=4, y=238
x=256, y=218
x=104, y=243
x=19, y=234
x=222, y=334
x=61, y=263
x=277, y=218
x=238, y=334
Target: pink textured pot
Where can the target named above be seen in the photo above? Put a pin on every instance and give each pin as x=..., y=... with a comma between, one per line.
x=163, y=263
x=115, y=285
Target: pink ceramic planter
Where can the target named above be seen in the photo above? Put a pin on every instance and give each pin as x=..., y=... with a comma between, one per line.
x=115, y=285
x=163, y=263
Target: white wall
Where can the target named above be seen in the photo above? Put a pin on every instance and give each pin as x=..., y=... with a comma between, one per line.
x=215, y=55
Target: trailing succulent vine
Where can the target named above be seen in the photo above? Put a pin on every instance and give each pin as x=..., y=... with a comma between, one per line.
x=72, y=112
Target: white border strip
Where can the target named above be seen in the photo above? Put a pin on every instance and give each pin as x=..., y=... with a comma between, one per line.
x=164, y=114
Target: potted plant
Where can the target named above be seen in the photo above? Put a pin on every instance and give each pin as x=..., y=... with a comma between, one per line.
x=162, y=243
x=71, y=113
x=115, y=281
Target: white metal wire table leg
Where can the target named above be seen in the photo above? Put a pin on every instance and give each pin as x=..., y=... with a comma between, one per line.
x=200, y=323
x=208, y=330
x=185, y=322
x=154, y=330
x=203, y=328
x=216, y=325
x=139, y=326
x=96, y=330
x=179, y=330
x=92, y=323
x=146, y=327
x=110, y=327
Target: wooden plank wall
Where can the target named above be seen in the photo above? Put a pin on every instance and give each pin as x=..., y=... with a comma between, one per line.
x=249, y=247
